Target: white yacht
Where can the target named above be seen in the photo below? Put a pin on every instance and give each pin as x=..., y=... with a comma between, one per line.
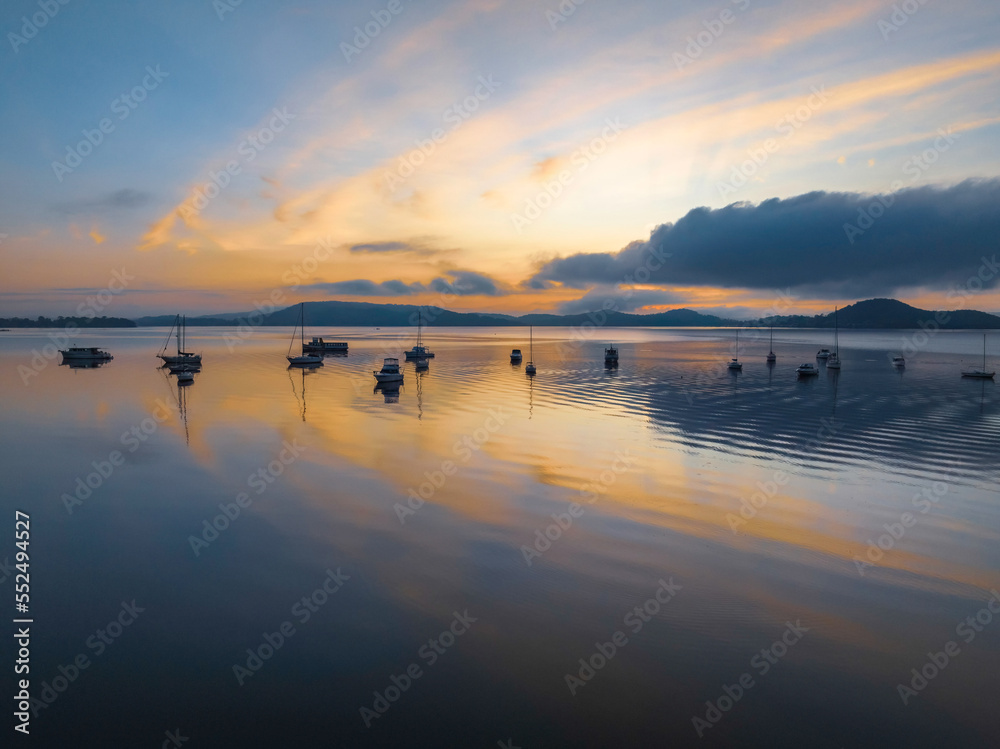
x=389, y=372
x=806, y=369
x=182, y=356
x=980, y=374
x=735, y=364
x=305, y=360
x=419, y=351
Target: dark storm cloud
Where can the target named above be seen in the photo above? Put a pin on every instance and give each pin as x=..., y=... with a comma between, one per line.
x=820, y=242
x=466, y=283
x=383, y=247
x=458, y=282
x=620, y=300
x=125, y=198
x=364, y=287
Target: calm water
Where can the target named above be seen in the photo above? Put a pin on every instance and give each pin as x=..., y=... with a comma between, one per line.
x=660, y=455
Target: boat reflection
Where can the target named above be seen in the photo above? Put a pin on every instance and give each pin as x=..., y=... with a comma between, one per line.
x=301, y=400
x=83, y=363
x=390, y=390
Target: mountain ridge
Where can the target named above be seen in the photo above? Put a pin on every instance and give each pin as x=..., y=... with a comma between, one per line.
x=871, y=314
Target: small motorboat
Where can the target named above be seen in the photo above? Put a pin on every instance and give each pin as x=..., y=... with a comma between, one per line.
x=389, y=372
x=898, y=361
x=823, y=353
x=610, y=355
x=422, y=363
x=515, y=356
x=185, y=377
x=806, y=369
x=90, y=353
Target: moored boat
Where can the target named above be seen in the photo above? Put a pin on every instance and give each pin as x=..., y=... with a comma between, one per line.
x=806, y=369
x=389, y=372
x=182, y=356
x=90, y=353
x=611, y=355
x=980, y=374
x=319, y=346
x=419, y=351
x=515, y=356
x=305, y=360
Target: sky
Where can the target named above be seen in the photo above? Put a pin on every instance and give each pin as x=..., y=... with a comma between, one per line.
x=736, y=157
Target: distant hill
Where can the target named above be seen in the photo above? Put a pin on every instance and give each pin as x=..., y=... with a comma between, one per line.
x=869, y=314
x=887, y=313
x=62, y=322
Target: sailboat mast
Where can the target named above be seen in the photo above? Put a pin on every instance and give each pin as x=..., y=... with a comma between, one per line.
x=302, y=324
x=178, y=335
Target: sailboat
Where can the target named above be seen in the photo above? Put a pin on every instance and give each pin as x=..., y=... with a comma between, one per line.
x=833, y=361
x=419, y=351
x=305, y=360
x=735, y=364
x=182, y=356
x=530, y=368
x=980, y=374
x=771, y=357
